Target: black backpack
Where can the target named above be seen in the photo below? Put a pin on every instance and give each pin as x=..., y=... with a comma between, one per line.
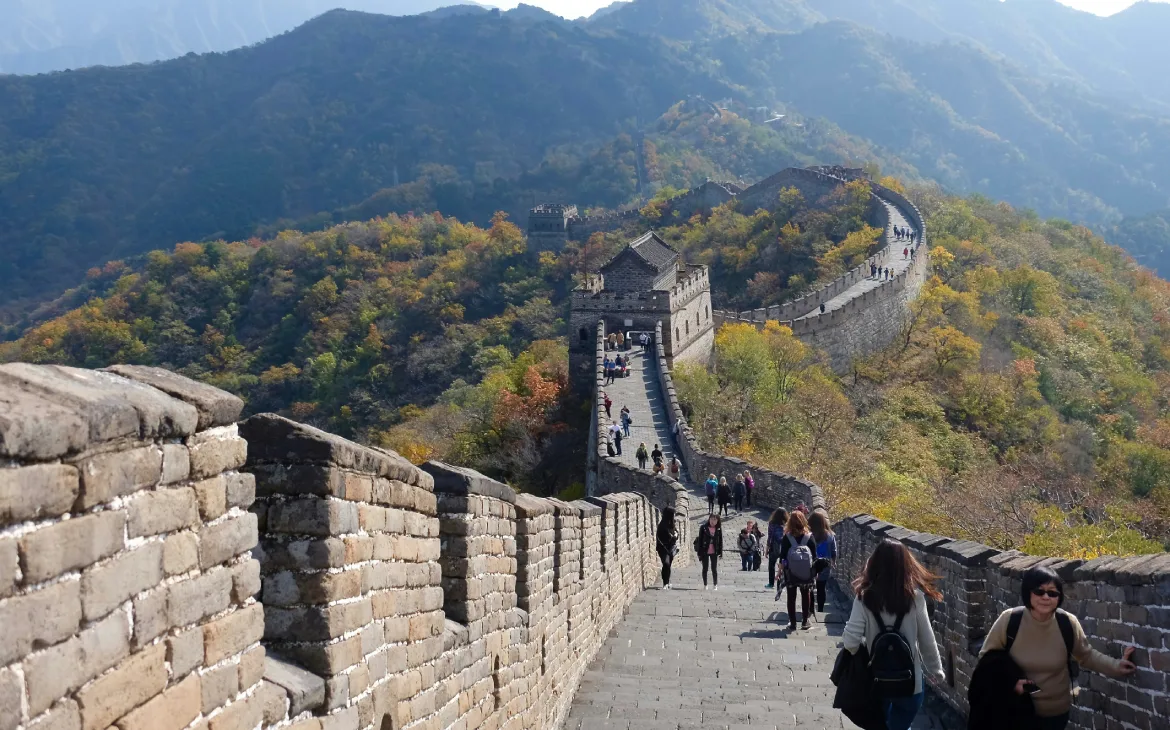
x=891, y=660
x=1066, y=631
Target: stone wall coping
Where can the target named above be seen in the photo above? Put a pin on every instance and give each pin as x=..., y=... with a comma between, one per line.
x=274, y=438
x=305, y=690
x=216, y=407
x=48, y=411
x=530, y=506
x=450, y=479
x=586, y=509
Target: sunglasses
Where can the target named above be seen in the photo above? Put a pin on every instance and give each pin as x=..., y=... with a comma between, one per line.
x=1042, y=592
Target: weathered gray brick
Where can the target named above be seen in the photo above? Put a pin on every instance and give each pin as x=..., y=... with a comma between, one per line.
x=216, y=456
x=39, y=619
x=252, y=667
x=176, y=463
x=185, y=651
x=115, y=474
x=105, y=587
x=172, y=710
x=231, y=634
x=180, y=553
x=151, y=616
x=65, y=715
x=9, y=566
x=241, y=489
x=36, y=492
x=222, y=541
x=11, y=691
x=55, y=673
x=219, y=686
x=322, y=517
x=55, y=549
x=245, y=580
x=195, y=598
x=164, y=510
x=212, y=496
x=113, y=695
x=240, y=715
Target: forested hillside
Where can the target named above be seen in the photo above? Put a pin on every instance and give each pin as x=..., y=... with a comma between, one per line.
x=454, y=112
x=1026, y=405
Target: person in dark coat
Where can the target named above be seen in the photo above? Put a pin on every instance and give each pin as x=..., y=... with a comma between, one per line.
x=666, y=543
x=709, y=548
x=723, y=495
x=992, y=694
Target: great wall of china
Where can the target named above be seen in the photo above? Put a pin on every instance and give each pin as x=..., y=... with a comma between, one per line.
x=164, y=566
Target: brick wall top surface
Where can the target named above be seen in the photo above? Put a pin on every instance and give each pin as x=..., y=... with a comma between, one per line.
x=450, y=479
x=278, y=439
x=49, y=411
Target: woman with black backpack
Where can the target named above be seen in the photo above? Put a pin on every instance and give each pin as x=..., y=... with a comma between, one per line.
x=889, y=618
x=666, y=543
x=1043, y=640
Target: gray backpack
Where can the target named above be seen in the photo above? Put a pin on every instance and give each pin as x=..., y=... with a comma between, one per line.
x=800, y=560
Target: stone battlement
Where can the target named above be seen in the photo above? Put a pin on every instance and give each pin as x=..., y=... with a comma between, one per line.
x=164, y=568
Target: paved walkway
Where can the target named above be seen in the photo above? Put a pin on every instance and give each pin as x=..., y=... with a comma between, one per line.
x=717, y=660
x=639, y=392
x=892, y=259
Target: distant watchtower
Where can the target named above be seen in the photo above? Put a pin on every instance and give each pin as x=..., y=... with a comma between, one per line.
x=645, y=283
x=548, y=226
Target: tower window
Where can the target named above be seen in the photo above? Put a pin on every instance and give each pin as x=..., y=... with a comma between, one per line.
x=584, y=334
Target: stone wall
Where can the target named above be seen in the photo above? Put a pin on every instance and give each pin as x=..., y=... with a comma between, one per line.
x=126, y=585
x=137, y=526
x=1120, y=602
x=773, y=489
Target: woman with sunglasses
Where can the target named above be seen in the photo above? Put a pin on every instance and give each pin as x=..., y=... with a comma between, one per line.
x=1040, y=650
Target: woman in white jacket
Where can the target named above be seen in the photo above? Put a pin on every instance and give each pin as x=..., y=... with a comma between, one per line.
x=895, y=584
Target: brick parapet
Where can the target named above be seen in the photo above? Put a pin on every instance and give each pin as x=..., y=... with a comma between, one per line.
x=1120, y=602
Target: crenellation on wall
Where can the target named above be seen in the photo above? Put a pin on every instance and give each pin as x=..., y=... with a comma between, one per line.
x=1120, y=602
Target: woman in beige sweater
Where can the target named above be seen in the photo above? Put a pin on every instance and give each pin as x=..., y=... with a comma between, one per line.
x=1040, y=651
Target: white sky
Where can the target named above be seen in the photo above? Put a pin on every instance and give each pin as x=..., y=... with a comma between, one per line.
x=577, y=8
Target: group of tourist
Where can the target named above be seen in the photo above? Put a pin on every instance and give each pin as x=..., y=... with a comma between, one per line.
x=619, y=429
x=1023, y=680
x=738, y=494
x=904, y=234
x=880, y=273
x=615, y=368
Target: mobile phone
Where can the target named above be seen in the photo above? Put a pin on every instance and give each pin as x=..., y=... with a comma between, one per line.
x=1031, y=687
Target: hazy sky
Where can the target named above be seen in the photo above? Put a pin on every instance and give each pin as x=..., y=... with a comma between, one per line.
x=577, y=8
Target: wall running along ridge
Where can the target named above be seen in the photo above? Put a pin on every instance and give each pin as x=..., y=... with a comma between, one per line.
x=162, y=568
x=866, y=324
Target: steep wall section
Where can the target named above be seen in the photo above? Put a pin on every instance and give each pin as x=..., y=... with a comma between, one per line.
x=773, y=489
x=615, y=476
x=126, y=587
x=1120, y=602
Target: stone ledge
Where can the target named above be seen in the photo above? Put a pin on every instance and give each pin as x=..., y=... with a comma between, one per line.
x=449, y=479
x=305, y=690
x=216, y=407
x=966, y=552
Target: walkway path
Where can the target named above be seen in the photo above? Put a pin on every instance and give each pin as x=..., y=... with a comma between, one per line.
x=893, y=259
x=716, y=660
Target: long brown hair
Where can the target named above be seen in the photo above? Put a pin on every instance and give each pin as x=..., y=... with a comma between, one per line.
x=797, y=524
x=779, y=517
x=818, y=522
x=891, y=576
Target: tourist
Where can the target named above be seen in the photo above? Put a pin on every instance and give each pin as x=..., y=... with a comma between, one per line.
x=750, y=485
x=801, y=509
x=723, y=496
x=1042, y=638
x=756, y=554
x=645, y=340
x=711, y=487
x=608, y=404
x=747, y=545
x=621, y=341
x=641, y=455
x=818, y=523
x=612, y=341
x=675, y=468
x=822, y=307
x=777, y=523
x=739, y=492
x=609, y=447
x=872, y=270
x=906, y=252
x=709, y=547
x=796, y=553
x=891, y=596
x=656, y=456
x=607, y=369
x=617, y=440
x=627, y=419
x=666, y=542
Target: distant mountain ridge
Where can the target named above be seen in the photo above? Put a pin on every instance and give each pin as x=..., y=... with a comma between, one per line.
x=50, y=35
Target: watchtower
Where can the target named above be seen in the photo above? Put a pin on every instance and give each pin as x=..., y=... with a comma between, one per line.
x=548, y=226
x=645, y=283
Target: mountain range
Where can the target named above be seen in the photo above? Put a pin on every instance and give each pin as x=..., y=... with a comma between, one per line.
x=467, y=111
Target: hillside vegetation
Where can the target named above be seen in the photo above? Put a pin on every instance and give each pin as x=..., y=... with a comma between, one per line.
x=355, y=115
x=1026, y=404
